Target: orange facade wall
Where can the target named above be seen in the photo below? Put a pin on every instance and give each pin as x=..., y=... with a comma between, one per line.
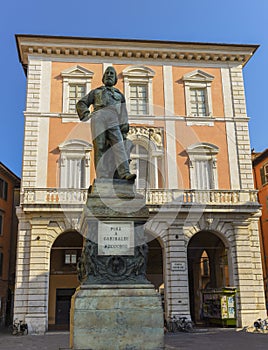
x=263, y=223
x=60, y=132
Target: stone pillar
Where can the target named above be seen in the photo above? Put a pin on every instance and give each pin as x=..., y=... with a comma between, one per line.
x=176, y=283
x=37, y=311
x=116, y=307
x=22, y=267
x=248, y=275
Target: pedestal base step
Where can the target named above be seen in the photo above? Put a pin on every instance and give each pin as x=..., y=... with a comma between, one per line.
x=116, y=318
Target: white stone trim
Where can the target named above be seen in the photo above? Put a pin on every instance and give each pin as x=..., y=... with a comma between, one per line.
x=203, y=152
x=105, y=65
x=74, y=149
x=227, y=92
x=168, y=90
x=170, y=128
x=42, y=152
x=230, y=129
x=45, y=91
x=198, y=79
x=232, y=155
x=238, y=92
x=33, y=85
x=154, y=146
x=89, y=49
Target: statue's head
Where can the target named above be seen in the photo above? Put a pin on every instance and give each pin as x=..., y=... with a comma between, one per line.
x=109, y=77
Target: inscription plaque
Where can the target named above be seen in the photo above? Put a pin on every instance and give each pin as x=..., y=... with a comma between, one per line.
x=116, y=238
x=178, y=266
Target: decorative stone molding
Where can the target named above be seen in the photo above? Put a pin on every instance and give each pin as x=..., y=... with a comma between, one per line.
x=74, y=75
x=203, y=152
x=153, y=134
x=75, y=150
x=198, y=79
x=128, y=49
x=139, y=75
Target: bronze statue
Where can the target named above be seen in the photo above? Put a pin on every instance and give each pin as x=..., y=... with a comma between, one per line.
x=109, y=126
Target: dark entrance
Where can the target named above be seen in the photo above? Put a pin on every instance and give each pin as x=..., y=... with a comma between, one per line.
x=63, y=305
x=207, y=269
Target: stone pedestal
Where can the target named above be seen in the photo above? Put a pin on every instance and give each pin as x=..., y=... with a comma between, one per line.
x=116, y=307
x=118, y=317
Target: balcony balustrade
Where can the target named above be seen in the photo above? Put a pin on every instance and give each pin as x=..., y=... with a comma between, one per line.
x=154, y=197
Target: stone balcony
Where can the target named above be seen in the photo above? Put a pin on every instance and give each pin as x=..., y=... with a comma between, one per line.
x=53, y=199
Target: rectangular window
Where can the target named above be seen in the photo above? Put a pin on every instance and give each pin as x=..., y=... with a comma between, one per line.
x=264, y=174
x=204, y=175
x=198, y=102
x=1, y=223
x=138, y=99
x=70, y=257
x=76, y=92
x=3, y=189
x=1, y=263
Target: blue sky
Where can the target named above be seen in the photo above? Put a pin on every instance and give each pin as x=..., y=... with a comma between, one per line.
x=229, y=21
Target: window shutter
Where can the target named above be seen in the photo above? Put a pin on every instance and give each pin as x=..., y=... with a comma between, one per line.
x=263, y=181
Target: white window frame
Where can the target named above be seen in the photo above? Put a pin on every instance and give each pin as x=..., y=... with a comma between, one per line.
x=70, y=254
x=198, y=79
x=151, y=140
x=139, y=75
x=76, y=75
x=76, y=150
x=203, y=152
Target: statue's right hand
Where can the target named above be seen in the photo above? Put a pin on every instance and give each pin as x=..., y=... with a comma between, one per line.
x=85, y=117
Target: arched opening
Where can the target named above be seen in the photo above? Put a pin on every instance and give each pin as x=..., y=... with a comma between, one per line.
x=63, y=281
x=207, y=269
x=154, y=271
x=147, y=156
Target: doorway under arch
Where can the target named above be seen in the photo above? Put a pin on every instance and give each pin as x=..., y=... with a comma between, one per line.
x=154, y=270
x=207, y=268
x=63, y=280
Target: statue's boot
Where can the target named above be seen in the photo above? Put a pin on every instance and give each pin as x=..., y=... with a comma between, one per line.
x=130, y=177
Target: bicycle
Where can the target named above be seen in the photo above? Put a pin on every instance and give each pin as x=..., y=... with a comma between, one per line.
x=19, y=328
x=179, y=324
x=261, y=325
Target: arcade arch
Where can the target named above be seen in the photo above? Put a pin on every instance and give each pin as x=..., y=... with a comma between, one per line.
x=63, y=280
x=207, y=256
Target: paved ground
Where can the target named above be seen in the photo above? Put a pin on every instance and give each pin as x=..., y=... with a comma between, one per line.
x=215, y=339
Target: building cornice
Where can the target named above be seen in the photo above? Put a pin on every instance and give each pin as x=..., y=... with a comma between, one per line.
x=7, y=172
x=259, y=157
x=55, y=46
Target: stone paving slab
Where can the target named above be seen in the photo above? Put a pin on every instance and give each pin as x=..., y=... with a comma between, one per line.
x=205, y=339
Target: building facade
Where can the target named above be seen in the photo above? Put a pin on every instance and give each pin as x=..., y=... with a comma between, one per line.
x=9, y=199
x=260, y=171
x=191, y=154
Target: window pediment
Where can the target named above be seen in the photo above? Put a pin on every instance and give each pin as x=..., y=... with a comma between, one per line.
x=75, y=145
x=77, y=72
x=198, y=76
x=138, y=72
x=203, y=148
